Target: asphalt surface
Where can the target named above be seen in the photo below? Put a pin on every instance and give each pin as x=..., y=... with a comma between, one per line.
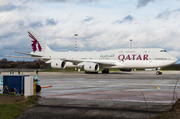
x=137, y=94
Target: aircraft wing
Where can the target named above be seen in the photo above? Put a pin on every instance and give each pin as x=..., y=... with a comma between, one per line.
x=78, y=62
x=106, y=62
x=82, y=62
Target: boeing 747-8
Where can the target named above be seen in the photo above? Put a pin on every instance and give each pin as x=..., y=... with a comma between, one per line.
x=123, y=59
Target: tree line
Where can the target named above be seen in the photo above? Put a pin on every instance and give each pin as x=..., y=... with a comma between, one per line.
x=36, y=64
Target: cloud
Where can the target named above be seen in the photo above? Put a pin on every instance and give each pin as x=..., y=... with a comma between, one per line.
x=81, y=1
x=167, y=13
x=95, y=31
x=174, y=53
x=88, y=18
x=51, y=22
x=128, y=18
x=20, y=23
x=142, y=3
x=36, y=24
x=88, y=1
x=66, y=1
x=56, y=0
x=6, y=5
x=4, y=2
x=9, y=7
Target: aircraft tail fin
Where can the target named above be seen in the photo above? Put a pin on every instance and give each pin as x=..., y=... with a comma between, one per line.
x=37, y=44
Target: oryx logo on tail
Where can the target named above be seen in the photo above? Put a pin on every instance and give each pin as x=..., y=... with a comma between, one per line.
x=35, y=44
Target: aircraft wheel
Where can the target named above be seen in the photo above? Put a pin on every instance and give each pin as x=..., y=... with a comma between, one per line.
x=107, y=71
x=158, y=73
x=38, y=88
x=103, y=71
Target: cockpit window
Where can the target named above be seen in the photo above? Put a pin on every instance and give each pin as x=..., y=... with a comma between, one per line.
x=163, y=51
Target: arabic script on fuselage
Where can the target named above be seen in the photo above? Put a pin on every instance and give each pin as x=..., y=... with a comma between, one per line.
x=112, y=55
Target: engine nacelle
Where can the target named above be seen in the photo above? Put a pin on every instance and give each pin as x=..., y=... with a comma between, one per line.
x=59, y=64
x=91, y=67
x=126, y=70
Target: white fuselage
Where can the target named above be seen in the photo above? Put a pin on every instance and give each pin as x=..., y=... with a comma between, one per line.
x=122, y=58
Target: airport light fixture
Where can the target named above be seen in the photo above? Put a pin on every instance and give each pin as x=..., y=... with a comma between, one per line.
x=131, y=43
x=75, y=41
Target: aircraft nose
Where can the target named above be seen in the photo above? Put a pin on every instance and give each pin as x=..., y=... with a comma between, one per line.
x=174, y=59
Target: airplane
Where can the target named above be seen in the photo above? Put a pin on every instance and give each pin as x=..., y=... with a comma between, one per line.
x=124, y=59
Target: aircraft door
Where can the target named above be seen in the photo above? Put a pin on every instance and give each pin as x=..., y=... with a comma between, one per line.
x=150, y=58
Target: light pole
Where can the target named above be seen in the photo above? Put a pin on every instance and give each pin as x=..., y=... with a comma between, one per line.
x=131, y=43
x=75, y=42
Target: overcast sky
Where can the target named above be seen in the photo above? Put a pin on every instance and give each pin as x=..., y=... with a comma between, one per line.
x=100, y=24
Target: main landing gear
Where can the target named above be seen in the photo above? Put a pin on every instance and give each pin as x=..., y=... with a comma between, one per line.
x=87, y=72
x=105, y=71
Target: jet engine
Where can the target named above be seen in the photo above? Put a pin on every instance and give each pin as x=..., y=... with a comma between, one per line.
x=126, y=70
x=91, y=67
x=59, y=64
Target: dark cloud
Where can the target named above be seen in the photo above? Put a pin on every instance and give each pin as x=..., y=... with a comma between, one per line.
x=56, y=0
x=88, y=1
x=51, y=22
x=88, y=18
x=9, y=7
x=128, y=18
x=20, y=23
x=26, y=1
x=81, y=1
x=142, y=3
x=36, y=24
x=8, y=44
x=65, y=1
x=165, y=14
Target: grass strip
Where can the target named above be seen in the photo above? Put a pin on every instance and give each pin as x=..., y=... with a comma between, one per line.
x=10, y=111
x=71, y=70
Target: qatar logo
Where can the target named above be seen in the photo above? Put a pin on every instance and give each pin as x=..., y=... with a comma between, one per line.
x=56, y=64
x=89, y=67
x=35, y=44
x=132, y=57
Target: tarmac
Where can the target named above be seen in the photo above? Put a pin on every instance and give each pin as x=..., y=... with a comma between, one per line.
x=137, y=94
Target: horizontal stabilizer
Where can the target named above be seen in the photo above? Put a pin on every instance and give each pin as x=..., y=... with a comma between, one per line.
x=40, y=58
x=27, y=54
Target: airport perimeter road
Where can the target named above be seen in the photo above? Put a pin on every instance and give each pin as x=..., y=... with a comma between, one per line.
x=114, y=95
